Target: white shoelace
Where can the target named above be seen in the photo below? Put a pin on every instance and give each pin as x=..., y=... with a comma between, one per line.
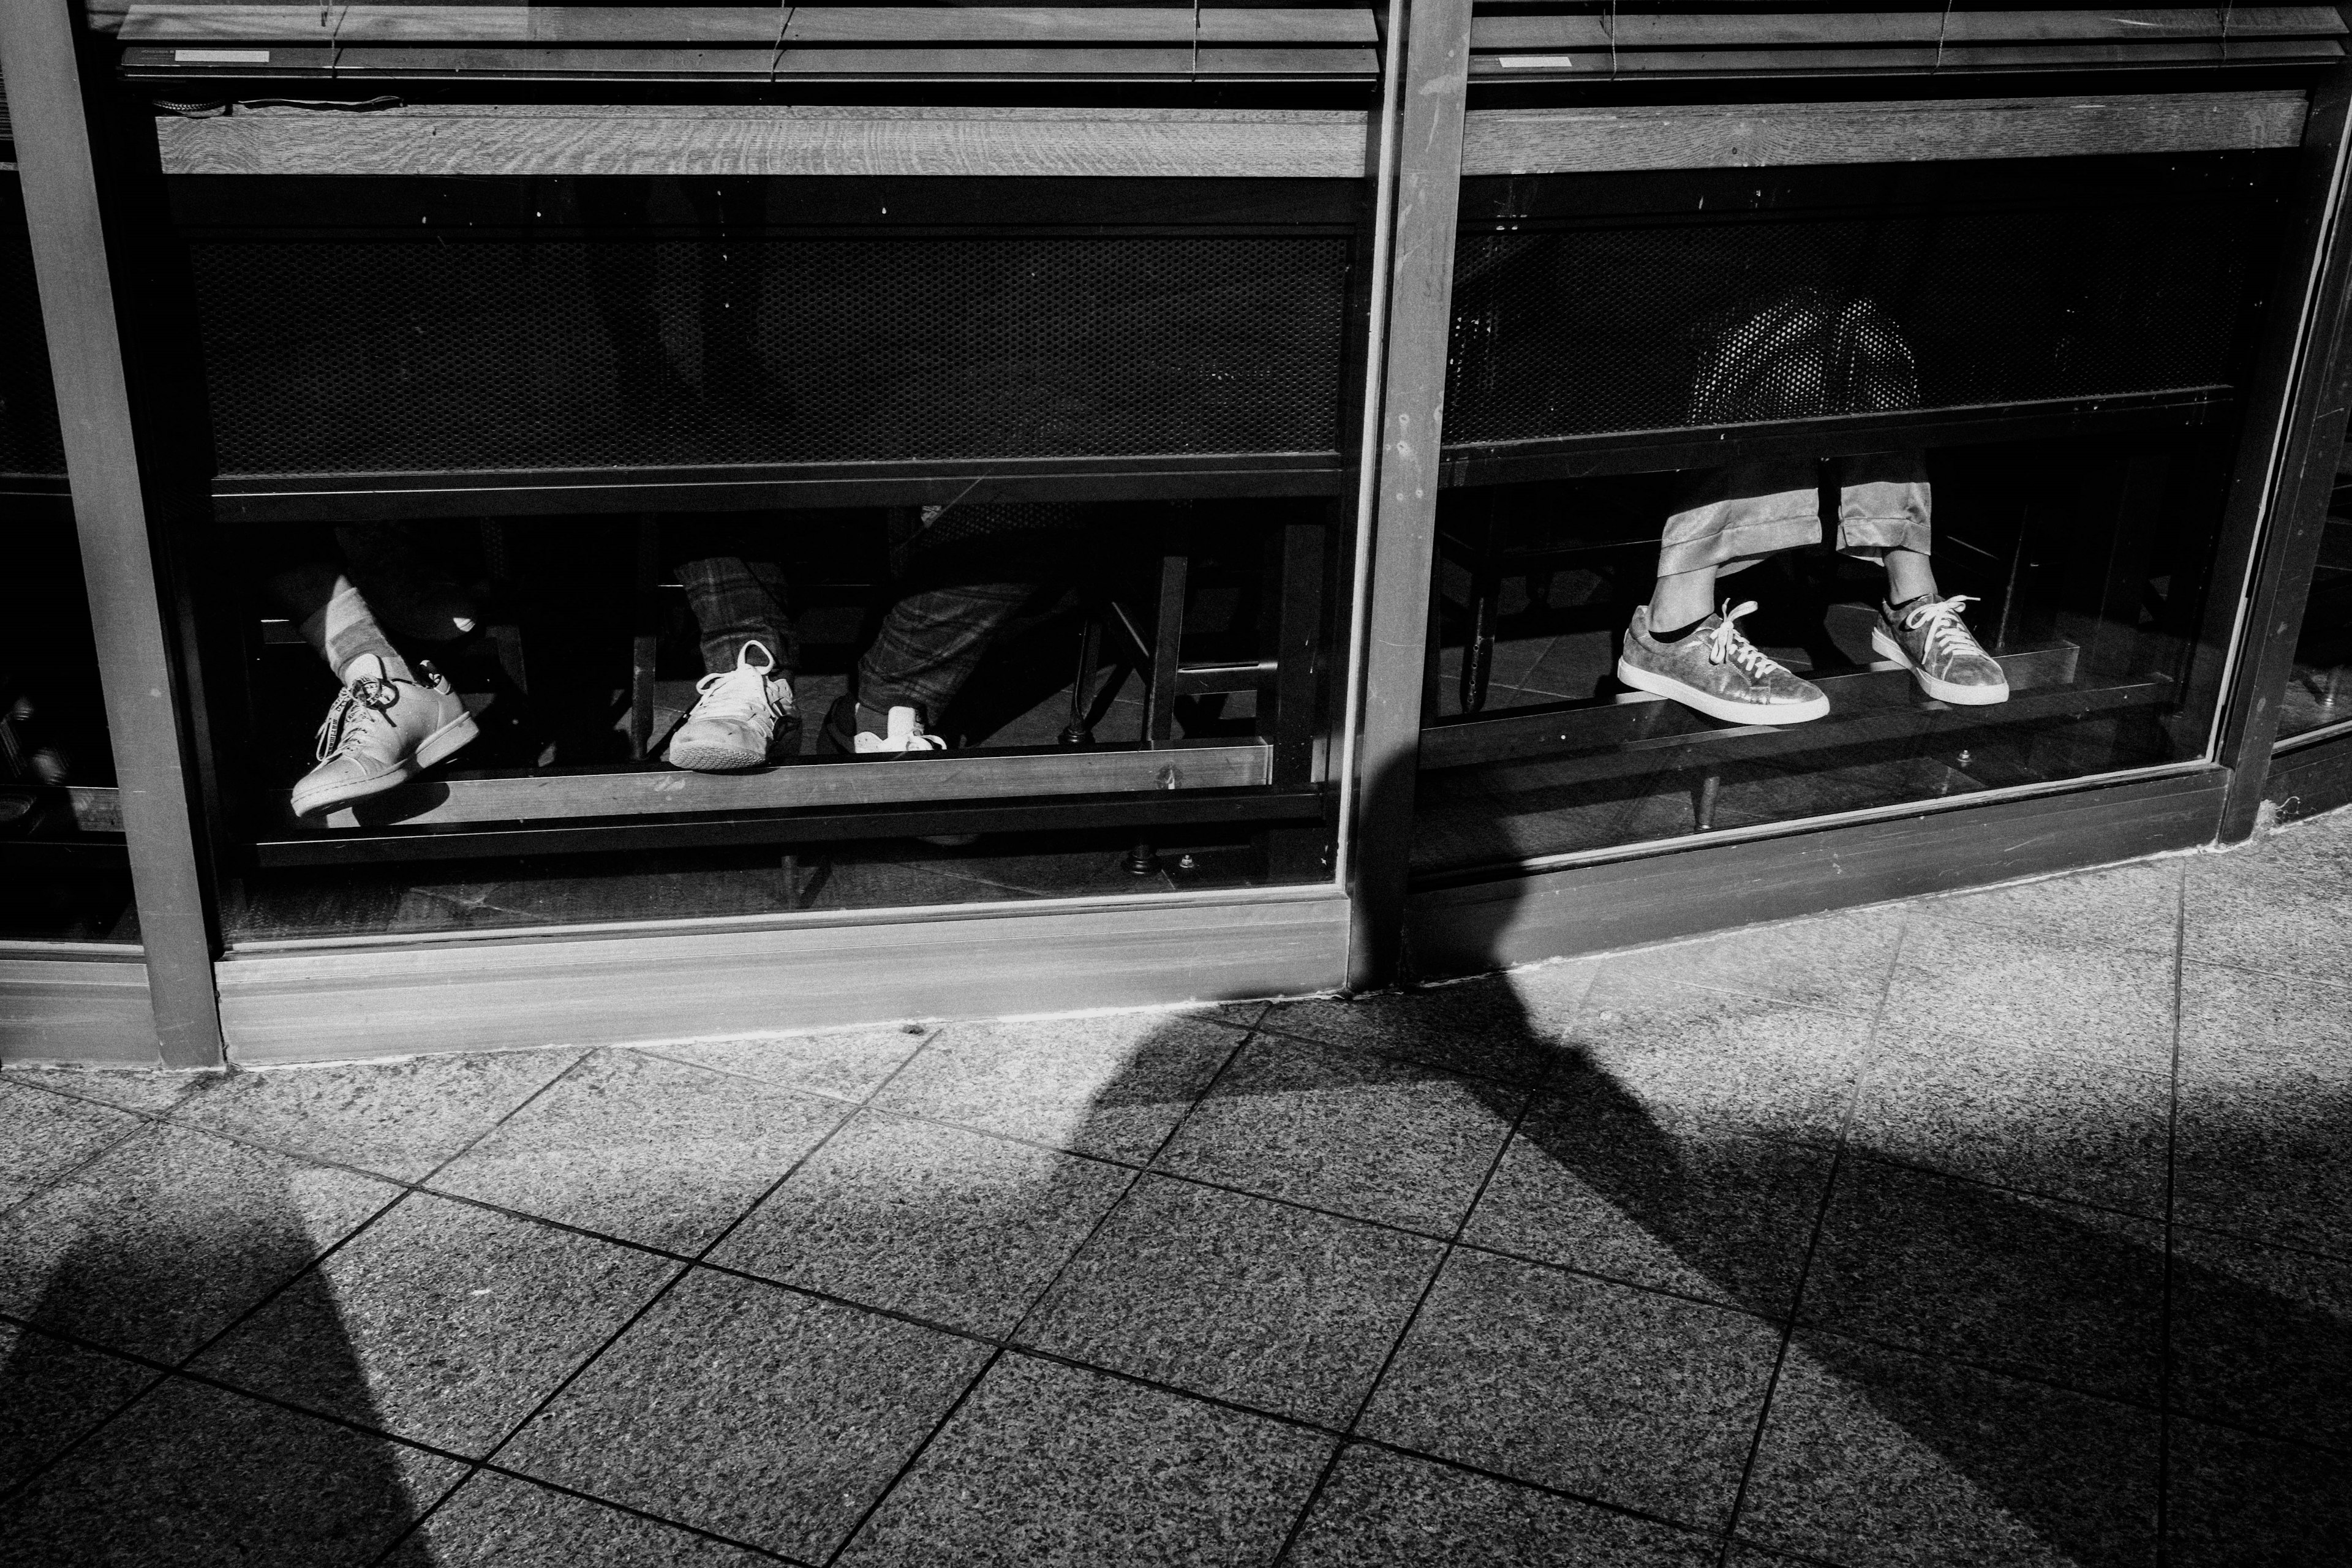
x=366, y=702
x=1728, y=641
x=1945, y=632
x=742, y=693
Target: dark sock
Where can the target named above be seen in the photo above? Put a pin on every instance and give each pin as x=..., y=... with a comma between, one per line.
x=1897, y=608
x=1678, y=633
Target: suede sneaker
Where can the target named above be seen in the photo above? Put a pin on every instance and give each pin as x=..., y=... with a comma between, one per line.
x=1717, y=672
x=1928, y=639
x=382, y=733
x=738, y=717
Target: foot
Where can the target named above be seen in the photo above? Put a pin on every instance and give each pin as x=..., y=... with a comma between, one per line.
x=1716, y=671
x=737, y=717
x=855, y=728
x=382, y=733
x=1926, y=636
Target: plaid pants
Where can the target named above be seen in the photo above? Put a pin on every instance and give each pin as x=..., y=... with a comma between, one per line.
x=967, y=577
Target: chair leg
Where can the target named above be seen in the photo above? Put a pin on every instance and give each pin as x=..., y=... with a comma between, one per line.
x=1478, y=653
x=1167, y=652
x=1080, y=731
x=646, y=643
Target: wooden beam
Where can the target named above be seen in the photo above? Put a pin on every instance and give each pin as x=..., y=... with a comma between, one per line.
x=787, y=972
x=827, y=783
x=584, y=139
x=1712, y=136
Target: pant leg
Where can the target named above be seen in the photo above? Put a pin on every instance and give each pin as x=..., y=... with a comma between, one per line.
x=931, y=641
x=305, y=574
x=1734, y=516
x=736, y=601
x=1885, y=503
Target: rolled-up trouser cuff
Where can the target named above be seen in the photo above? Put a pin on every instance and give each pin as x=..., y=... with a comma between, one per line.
x=1742, y=513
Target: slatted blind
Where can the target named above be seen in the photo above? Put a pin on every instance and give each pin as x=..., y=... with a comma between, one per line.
x=753, y=42
x=1544, y=40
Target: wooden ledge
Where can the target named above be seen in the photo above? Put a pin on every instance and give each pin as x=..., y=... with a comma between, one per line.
x=579, y=139
x=1597, y=140
x=816, y=782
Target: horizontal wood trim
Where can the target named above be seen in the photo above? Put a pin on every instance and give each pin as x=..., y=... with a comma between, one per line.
x=330, y=1004
x=84, y=1008
x=1599, y=140
x=574, y=139
x=988, y=25
x=816, y=784
x=1743, y=29
x=1590, y=908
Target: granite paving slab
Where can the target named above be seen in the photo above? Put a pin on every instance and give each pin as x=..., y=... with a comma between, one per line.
x=1385, y=1509
x=2264, y=1158
x=2109, y=1005
x=1054, y=1467
x=2263, y=1032
x=193, y=1476
x=2261, y=1337
x=654, y=1152
x=162, y=1241
x=2236, y=1501
x=1597, y=1181
x=958, y=1227
x=749, y=1411
x=399, y=1119
x=1364, y=1135
x=1498, y=1027
x=1877, y=1458
x=1265, y=1305
x=43, y=1136
x=52, y=1392
x=2242, y=912
x=152, y=1091
x=1837, y=962
x=2022, y=1285
x=441, y=1323
x=502, y=1519
x=2021, y=1117
x=848, y=1064
x=1654, y=1407
x=1743, y=1063
x=1113, y=1087
x=2135, y=906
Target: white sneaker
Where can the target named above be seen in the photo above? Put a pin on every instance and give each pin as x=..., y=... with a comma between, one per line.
x=903, y=733
x=380, y=733
x=735, y=719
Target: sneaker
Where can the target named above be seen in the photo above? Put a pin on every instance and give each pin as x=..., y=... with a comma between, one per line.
x=735, y=717
x=382, y=733
x=902, y=733
x=1941, y=654
x=1717, y=672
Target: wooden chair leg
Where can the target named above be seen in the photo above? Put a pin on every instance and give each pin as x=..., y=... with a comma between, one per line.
x=1167, y=652
x=1080, y=731
x=646, y=642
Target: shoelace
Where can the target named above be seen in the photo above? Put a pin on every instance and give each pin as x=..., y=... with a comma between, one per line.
x=1728, y=641
x=344, y=728
x=1945, y=632
x=741, y=692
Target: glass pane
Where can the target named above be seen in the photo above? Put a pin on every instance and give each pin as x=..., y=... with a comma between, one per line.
x=1948, y=443
x=2319, y=692
x=61, y=858
x=703, y=498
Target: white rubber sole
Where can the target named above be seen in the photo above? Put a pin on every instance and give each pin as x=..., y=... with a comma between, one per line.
x=1714, y=707
x=1941, y=690
x=711, y=759
x=438, y=747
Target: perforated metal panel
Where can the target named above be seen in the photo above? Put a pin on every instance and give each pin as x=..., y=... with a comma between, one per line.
x=455, y=353
x=1808, y=310
x=29, y=439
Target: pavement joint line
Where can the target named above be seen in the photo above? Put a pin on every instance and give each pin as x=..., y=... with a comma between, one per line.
x=2171, y=1154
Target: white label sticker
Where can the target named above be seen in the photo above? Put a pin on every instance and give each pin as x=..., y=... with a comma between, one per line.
x=1537, y=62
x=220, y=56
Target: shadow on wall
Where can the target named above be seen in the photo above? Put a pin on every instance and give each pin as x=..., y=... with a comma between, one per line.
x=186, y=1473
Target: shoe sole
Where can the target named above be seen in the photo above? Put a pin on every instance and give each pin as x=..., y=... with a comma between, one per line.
x=1941, y=690
x=712, y=759
x=1699, y=702
x=438, y=747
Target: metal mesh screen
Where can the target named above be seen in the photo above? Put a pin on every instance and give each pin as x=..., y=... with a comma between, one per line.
x=29, y=439
x=375, y=355
x=1660, y=323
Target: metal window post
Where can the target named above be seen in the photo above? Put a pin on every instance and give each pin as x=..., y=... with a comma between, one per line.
x=1435, y=80
x=146, y=714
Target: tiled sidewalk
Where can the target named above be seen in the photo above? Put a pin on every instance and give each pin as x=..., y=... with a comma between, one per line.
x=2013, y=1227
